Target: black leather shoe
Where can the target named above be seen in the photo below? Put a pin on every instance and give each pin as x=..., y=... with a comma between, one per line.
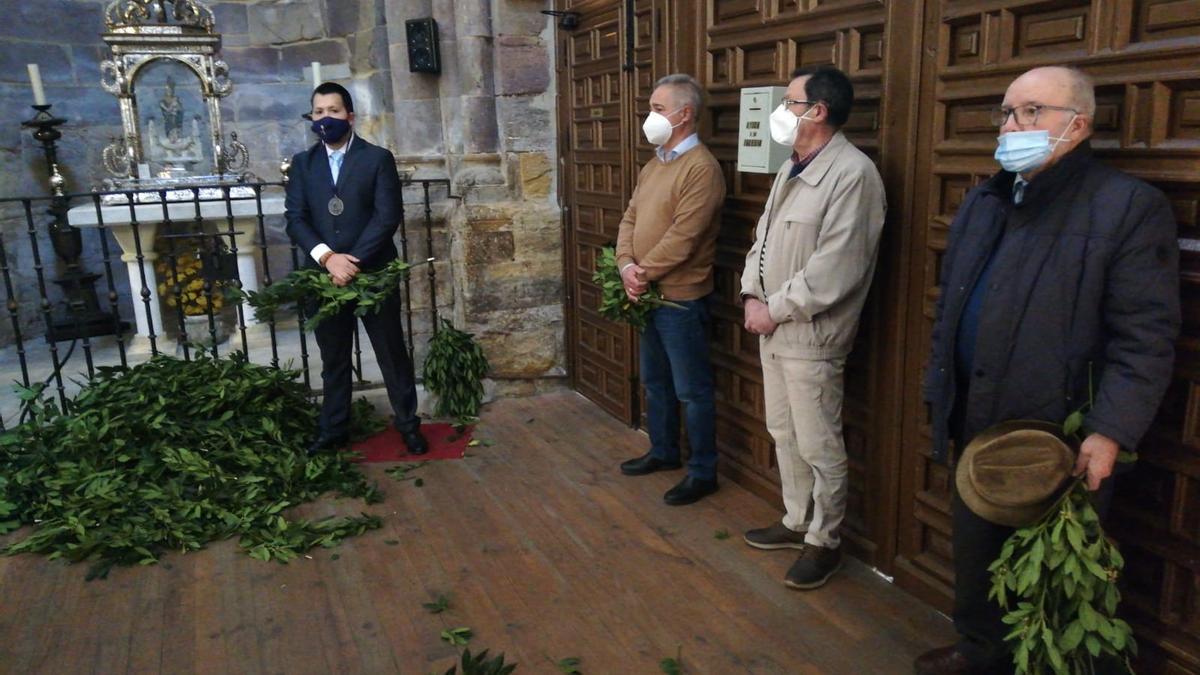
x=690, y=490
x=645, y=464
x=328, y=444
x=417, y=445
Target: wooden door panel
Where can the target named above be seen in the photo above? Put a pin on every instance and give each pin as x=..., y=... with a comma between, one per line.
x=611, y=63
x=1147, y=123
x=650, y=54
x=596, y=189
x=751, y=44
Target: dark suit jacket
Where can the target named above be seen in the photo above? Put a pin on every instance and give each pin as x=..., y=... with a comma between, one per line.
x=368, y=186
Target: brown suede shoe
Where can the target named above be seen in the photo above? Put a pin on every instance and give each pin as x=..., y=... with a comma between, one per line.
x=776, y=536
x=814, y=567
x=942, y=661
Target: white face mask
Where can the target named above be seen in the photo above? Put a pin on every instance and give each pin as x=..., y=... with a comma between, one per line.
x=657, y=127
x=785, y=126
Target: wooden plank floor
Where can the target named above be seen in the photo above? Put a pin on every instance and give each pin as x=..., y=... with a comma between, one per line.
x=545, y=549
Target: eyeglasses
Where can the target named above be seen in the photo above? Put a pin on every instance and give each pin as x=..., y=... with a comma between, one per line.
x=787, y=102
x=1024, y=114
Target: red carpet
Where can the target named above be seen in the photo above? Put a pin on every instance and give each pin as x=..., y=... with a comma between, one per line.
x=388, y=445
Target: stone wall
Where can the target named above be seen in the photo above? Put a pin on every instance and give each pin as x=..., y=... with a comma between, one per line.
x=486, y=124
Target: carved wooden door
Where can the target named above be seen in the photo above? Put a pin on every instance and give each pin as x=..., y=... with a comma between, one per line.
x=751, y=43
x=609, y=65
x=594, y=135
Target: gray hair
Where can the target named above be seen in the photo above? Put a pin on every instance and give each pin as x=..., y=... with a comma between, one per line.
x=687, y=89
x=1083, y=90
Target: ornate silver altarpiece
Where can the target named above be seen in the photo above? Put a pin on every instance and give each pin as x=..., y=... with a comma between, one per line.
x=164, y=68
x=165, y=72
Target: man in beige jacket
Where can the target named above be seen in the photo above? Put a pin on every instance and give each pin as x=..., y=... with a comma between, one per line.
x=803, y=287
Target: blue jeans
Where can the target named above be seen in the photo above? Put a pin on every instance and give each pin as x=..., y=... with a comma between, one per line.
x=676, y=369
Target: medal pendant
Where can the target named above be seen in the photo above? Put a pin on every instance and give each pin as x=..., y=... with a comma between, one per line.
x=336, y=206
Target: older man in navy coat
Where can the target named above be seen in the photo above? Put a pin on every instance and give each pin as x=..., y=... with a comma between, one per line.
x=1062, y=274
x=342, y=208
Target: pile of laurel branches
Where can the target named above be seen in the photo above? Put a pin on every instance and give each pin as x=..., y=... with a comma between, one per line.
x=168, y=456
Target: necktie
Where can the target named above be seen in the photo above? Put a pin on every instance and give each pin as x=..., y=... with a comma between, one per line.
x=335, y=164
x=1018, y=191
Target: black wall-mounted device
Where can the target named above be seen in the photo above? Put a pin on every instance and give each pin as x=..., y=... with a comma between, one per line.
x=424, y=55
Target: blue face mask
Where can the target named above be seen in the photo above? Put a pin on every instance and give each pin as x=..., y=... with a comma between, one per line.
x=1021, y=151
x=331, y=129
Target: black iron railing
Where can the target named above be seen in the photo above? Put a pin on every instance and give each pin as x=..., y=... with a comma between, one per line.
x=209, y=237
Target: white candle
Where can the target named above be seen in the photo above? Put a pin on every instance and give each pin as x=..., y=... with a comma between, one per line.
x=35, y=81
x=316, y=73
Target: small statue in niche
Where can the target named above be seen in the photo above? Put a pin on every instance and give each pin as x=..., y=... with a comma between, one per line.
x=175, y=149
x=172, y=111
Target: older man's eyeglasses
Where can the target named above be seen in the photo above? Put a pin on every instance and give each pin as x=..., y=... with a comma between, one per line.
x=787, y=102
x=1024, y=114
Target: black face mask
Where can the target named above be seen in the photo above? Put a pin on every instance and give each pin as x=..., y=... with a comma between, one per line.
x=331, y=129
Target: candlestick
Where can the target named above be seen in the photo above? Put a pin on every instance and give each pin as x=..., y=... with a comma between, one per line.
x=83, y=314
x=35, y=81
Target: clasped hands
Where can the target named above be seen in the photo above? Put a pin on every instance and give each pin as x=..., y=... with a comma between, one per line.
x=342, y=267
x=633, y=277
x=758, y=317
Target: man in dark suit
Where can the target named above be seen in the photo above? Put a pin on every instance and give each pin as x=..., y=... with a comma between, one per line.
x=342, y=209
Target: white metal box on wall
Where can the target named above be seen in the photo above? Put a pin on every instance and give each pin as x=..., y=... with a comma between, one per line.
x=757, y=153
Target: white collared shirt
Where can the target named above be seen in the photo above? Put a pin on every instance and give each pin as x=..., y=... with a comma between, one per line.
x=674, y=153
x=321, y=249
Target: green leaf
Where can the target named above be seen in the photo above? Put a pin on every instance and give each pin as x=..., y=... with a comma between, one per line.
x=1071, y=637
x=440, y=604
x=1073, y=424
x=457, y=636
x=1075, y=535
x=569, y=665
x=1036, y=553
x=1088, y=617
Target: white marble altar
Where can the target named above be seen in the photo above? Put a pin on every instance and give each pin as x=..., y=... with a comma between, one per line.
x=148, y=214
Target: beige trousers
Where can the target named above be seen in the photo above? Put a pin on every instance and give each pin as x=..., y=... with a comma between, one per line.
x=803, y=401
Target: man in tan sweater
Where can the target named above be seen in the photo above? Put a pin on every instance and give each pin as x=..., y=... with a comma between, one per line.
x=669, y=236
x=804, y=284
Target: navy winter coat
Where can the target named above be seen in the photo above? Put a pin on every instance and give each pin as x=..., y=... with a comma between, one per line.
x=1087, y=279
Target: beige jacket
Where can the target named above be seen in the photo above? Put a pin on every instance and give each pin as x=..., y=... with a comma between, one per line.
x=817, y=241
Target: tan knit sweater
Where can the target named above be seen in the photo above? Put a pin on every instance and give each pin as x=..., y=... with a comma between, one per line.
x=670, y=227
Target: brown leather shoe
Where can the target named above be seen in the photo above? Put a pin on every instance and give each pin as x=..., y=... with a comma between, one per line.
x=814, y=567
x=942, y=661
